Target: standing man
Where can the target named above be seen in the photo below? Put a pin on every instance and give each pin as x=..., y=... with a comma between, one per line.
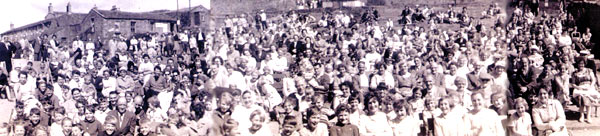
x=263, y=19
x=6, y=54
x=228, y=26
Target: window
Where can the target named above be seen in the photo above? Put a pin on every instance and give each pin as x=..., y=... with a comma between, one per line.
x=132, y=26
x=196, y=18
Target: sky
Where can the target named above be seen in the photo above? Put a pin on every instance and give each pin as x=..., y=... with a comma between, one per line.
x=23, y=12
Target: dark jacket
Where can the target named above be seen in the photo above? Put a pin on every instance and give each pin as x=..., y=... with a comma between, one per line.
x=126, y=124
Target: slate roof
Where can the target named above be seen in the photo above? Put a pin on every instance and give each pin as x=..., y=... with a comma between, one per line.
x=108, y=14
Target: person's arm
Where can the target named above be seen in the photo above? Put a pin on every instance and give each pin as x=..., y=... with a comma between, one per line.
x=537, y=121
x=561, y=120
x=499, y=128
x=355, y=130
x=436, y=128
x=332, y=131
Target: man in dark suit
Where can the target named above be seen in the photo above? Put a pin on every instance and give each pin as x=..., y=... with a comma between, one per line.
x=125, y=119
x=6, y=55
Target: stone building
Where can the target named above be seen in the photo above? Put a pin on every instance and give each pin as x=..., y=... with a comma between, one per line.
x=94, y=24
x=106, y=23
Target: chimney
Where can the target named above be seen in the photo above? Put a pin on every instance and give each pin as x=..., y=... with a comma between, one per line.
x=50, y=9
x=12, y=26
x=114, y=8
x=69, y=8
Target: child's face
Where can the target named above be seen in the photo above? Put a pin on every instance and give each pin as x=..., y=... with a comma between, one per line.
x=256, y=123
x=314, y=120
x=388, y=107
x=223, y=106
x=478, y=102
x=34, y=118
x=430, y=105
x=89, y=115
x=401, y=112
x=319, y=103
x=145, y=128
x=289, y=107
x=373, y=105
x=418, y=94
x=247, y=98
x=57, y=117
x=521, y=108
x=498, y=103
x=343, y=117
x=109, y=128
x=19, y=130
x=288, y=129
x=76, y=131
x=354, y=104
x=445, y=106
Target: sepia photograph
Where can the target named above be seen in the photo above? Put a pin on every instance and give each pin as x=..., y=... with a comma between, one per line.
x=299, y=68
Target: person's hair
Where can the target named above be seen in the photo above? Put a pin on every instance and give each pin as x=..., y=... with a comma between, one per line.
x=110, y=119
x=449, y=99
x=354, y=96
x=290, y=120
x=342, y=108
x=78, y=125
x=521, y=101
x=403, y=104
x=223, y=98
x=220, y=59
x=370, y=96
x=544, y=90
x=76, y=72
x=60, y=110
x=419, y=89
x=154, y=102
x=476, y=93
x=293, y=100
x=89, y=109
x=113, y=92
x=75, y=89
x=229, y=124
x=23, y=73
x=34, y=111
x=429, y=99
x=259, y=114
x=498, y=96
x=67, y=119
x=347, y=84
x=40, y=130
x=380, y=65
x=460, y=79
x=18, y=122
x=318, y=97
x=312, y=112
x=157, y=67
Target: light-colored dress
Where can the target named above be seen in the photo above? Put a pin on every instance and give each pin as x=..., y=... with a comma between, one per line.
x=485, y=122
x=521, y=124
x=409, y=126
x=542, y=115
x=375, y=125
x=447, y=125
x=588, y=92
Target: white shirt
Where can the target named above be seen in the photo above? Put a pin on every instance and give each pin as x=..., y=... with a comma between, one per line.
x=78, y=44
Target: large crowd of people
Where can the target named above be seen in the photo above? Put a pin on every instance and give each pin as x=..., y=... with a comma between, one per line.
x=425, y=72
